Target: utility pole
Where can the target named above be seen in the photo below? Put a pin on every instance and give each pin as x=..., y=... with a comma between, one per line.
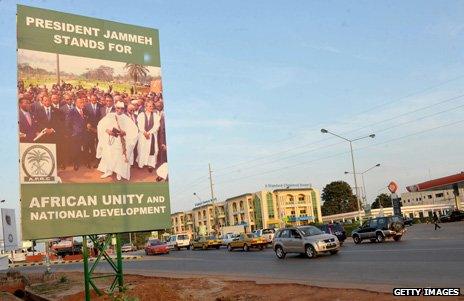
x=215, y=225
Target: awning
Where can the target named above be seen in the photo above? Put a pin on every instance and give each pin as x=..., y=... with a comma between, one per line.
x=439, y=184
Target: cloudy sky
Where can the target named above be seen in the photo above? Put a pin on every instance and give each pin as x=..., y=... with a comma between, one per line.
x=249, y=86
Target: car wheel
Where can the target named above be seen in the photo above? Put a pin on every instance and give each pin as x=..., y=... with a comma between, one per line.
x=193, y=247
x=357, y=239
x=146, y=252
x=229, y=248
x=310, y=251
x=397, y=237
x=204, y=247
x=373, y=240
x=218, y=247
x=380, y=237
x=280, y=252
x=177, y=248
x=188, y=247
x=261, y=248
x=246, y=248
x=333, y=252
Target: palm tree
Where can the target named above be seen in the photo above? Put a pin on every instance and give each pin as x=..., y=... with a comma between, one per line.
x=136, y=71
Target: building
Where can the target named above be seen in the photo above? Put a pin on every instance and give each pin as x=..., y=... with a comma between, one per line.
x=428, y=197
x=258, y=210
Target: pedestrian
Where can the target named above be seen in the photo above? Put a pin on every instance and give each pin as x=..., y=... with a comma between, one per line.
x=435, y=221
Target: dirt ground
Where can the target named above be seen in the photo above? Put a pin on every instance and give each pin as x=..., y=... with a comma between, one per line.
x=145, y=288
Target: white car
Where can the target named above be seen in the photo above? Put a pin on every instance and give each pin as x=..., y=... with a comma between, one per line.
x=128, y=248
x=178, y=241
x=227, y=238
x=268, y=234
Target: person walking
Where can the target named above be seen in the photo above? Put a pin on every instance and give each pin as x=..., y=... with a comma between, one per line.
x=435, y=221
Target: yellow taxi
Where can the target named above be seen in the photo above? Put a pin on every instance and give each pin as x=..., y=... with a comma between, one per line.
x=206, y=242
x=246, y=241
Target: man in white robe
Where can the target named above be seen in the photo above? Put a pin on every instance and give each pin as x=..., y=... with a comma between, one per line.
x=113, y=130
x=148, y=123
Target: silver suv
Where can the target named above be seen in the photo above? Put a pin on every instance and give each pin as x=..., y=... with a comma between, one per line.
x=307, y=240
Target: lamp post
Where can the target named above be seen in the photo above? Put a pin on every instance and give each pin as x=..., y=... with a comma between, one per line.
x=362, y=177
x=324, y=131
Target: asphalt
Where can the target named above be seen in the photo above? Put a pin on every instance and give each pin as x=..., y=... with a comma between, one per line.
x=423, y=258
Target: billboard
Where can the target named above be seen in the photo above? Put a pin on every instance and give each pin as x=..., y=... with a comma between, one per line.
x=10, y=235
x=93, y=152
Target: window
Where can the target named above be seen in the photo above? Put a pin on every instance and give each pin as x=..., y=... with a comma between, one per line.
x=373, y=223
x=301, y=198
x=382, y=223
x=429, y=196
x=295, y=234
x=241, y=205
x=439, y=195
x=285, y=234
x=302, y=212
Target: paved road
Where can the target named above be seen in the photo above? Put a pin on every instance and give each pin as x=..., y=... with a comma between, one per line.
x=423, y=258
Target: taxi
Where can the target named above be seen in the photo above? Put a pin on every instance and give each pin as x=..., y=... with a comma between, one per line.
x=246, y=241
x=206, y=242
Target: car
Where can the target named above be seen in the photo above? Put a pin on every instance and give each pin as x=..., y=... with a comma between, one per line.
x=380, y=228
x=178, y=241
x=453, y=216
x=247, y=241
x=268, y=234
x=227, y=238
x=206, y=242
x=335, y=229
x=408, y=221
x=156, y=246
x=128, y=248
x=307, y=240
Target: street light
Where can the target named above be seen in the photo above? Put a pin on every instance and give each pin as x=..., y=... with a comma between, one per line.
x=362, y=177
x=324, y=131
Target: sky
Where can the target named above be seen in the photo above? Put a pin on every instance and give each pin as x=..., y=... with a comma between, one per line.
x=248, y=86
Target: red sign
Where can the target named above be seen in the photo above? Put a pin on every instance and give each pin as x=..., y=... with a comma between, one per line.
x=393, y=187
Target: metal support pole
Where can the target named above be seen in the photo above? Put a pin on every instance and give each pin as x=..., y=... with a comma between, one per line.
x=86, y=268
x=212, y=200
x=119, y=263
x=355, y=183
x=364, y=189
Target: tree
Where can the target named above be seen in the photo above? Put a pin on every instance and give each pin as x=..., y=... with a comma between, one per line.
x=383, y=199
x=338, y=198
x=102, y=73
x=136, y=72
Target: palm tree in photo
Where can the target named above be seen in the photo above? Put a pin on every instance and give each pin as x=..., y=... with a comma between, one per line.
x=136, y=72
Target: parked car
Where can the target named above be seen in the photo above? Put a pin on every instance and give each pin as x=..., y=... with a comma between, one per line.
x=268, y=234
x=247, y=241
x=379, y=228
x=336, y=229
x=178, y=241
x=206, y=242
x=156, y=246
x=453, y=216
x=227, y=238
x=128, y=248
x=408, y=221
x=307, y=240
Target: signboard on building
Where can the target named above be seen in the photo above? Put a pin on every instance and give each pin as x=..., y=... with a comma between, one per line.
x=206, y=202
x=10, y=234
x=86, y=167
x=288, y=186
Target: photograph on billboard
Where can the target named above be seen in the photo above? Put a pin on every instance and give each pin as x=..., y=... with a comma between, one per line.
x=93, y=151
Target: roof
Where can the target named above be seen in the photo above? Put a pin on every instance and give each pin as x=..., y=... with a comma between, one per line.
x=438, y=184
x=292, y=189
x=239, y=196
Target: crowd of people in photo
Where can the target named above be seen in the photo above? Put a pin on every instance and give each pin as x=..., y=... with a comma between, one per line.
x=97, y=128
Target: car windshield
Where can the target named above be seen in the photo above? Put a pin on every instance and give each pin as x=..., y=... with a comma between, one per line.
x=210, y=237
x=251, y=235
x=155, y=242
x=268, y=231
x=182, y=237
x=310, y=231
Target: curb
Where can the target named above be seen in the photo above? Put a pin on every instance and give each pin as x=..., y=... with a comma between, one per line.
x=58, y=262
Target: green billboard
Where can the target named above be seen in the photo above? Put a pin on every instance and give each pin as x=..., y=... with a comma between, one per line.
x=92, y=137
